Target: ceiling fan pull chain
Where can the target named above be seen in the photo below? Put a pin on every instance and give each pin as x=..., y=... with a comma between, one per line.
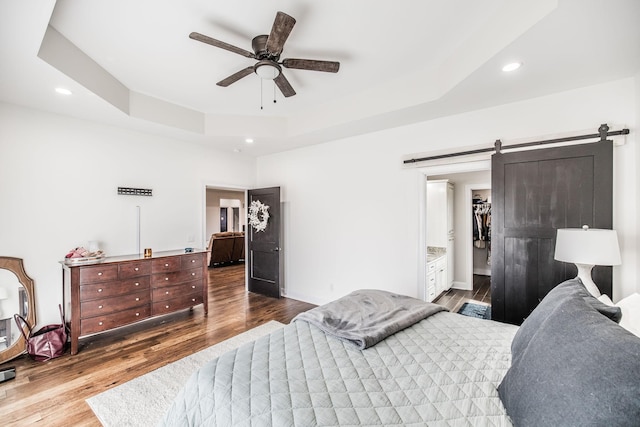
x=261, y=94
x=274, y=92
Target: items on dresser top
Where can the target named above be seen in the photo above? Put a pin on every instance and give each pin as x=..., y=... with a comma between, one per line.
x=125, y=289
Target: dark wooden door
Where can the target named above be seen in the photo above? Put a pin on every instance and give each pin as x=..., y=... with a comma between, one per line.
x=223, y=219
x=534, y=193
x=264, y=256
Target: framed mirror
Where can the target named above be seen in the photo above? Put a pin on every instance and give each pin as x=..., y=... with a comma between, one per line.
x=16, y=296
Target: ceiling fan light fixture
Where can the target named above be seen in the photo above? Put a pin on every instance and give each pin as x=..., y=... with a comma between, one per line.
x=267, y=70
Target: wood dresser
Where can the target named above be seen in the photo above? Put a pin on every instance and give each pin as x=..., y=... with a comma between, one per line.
x=121, y=290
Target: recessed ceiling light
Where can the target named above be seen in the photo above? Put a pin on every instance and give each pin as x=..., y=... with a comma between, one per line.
x=63, y=91
x=511, y=66
x=249, y=140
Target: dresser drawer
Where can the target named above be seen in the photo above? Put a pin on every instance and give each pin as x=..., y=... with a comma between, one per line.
x=98, y=273
x=109, y=289
x=178, y=303
x=174, y=278
x=110, y=321
x=134, y=269
x=192, y=261
x=169, y=292
x=166, y=264
x=111, y=305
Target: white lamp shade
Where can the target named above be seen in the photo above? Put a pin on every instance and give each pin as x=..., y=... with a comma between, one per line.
x=591, y=246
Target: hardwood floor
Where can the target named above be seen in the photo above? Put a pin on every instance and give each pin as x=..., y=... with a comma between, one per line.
x=454, y=298
x=53, y=393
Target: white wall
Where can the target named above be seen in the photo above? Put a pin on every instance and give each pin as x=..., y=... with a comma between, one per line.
x=371, y=240
x=58, y=182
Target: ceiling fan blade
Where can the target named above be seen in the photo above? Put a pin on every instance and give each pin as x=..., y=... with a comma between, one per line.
x=284, y=85
x=235, y=77
x=311, y=64
x=222, y=45
x=282, y=26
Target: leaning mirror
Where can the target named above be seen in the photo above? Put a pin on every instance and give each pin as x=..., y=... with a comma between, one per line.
x=16, y=297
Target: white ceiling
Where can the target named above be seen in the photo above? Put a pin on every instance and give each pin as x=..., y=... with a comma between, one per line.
x=132, y=64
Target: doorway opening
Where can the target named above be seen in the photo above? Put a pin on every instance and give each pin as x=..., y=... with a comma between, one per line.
x=224, y=224
x=469, y=283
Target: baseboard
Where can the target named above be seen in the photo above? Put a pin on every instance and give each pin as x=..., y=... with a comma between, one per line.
x=462, y=286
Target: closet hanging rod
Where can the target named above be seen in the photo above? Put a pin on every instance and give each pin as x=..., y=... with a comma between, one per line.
x=603, y=133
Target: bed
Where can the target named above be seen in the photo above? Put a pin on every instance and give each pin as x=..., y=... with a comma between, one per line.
x=416, y=364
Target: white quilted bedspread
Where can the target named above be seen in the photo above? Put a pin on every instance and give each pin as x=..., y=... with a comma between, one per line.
x=442, y=371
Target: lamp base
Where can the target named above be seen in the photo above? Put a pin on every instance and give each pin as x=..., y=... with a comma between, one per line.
x=584, y=274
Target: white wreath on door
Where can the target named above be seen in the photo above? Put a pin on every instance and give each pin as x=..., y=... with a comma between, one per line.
x=258, y=215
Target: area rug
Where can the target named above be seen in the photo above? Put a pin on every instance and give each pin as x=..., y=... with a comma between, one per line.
x=144, y=400
x=473, y=309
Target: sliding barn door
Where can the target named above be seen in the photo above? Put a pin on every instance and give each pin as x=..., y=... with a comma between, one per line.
x=534, y=193
x=263, y=247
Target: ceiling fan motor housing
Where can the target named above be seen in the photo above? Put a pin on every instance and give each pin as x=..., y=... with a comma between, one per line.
x=259, y=45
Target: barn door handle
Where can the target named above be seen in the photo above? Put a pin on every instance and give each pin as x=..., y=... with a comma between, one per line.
x=276, y=249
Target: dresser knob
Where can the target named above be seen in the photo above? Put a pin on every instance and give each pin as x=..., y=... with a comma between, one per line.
x=193, y=299
x=137, y=284
x=136, y=269
x=166, y=306
x=193, y=274
x=100, y=290
x=137, y=314
x=166, y=265
x=166, y=278
x=100, y=323
x=193, y=286
x=166, y=293
x=100, y=274
x=137, y=299
x=99, y=306
x=193, y=260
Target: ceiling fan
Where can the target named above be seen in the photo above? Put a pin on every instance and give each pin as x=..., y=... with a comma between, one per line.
x=267, y=50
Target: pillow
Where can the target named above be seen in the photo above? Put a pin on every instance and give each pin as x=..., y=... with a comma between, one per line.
x=630, y=307
x=572, y=288
x=579, y=368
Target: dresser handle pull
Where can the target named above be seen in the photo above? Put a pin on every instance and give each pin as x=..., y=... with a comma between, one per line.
x=193, y=274
x=100, y=290
x=137, y=284
x=137, y=314
x=193, y=286
x=100, y=274
x=136, y=269
x=99, y=306
x=193, y=260
x=100, y=323
x=166, y=278
x=137, y=299
x=166, y=265
x=166, y=306
x=166, y=293
x=193, y=299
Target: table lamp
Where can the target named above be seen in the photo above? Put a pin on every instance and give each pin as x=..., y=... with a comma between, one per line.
x=587, y=247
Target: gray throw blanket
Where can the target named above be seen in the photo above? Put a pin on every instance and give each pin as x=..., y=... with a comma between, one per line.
x=367, y=316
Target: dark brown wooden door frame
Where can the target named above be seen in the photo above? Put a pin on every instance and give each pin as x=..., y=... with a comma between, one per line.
x=602, y=155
